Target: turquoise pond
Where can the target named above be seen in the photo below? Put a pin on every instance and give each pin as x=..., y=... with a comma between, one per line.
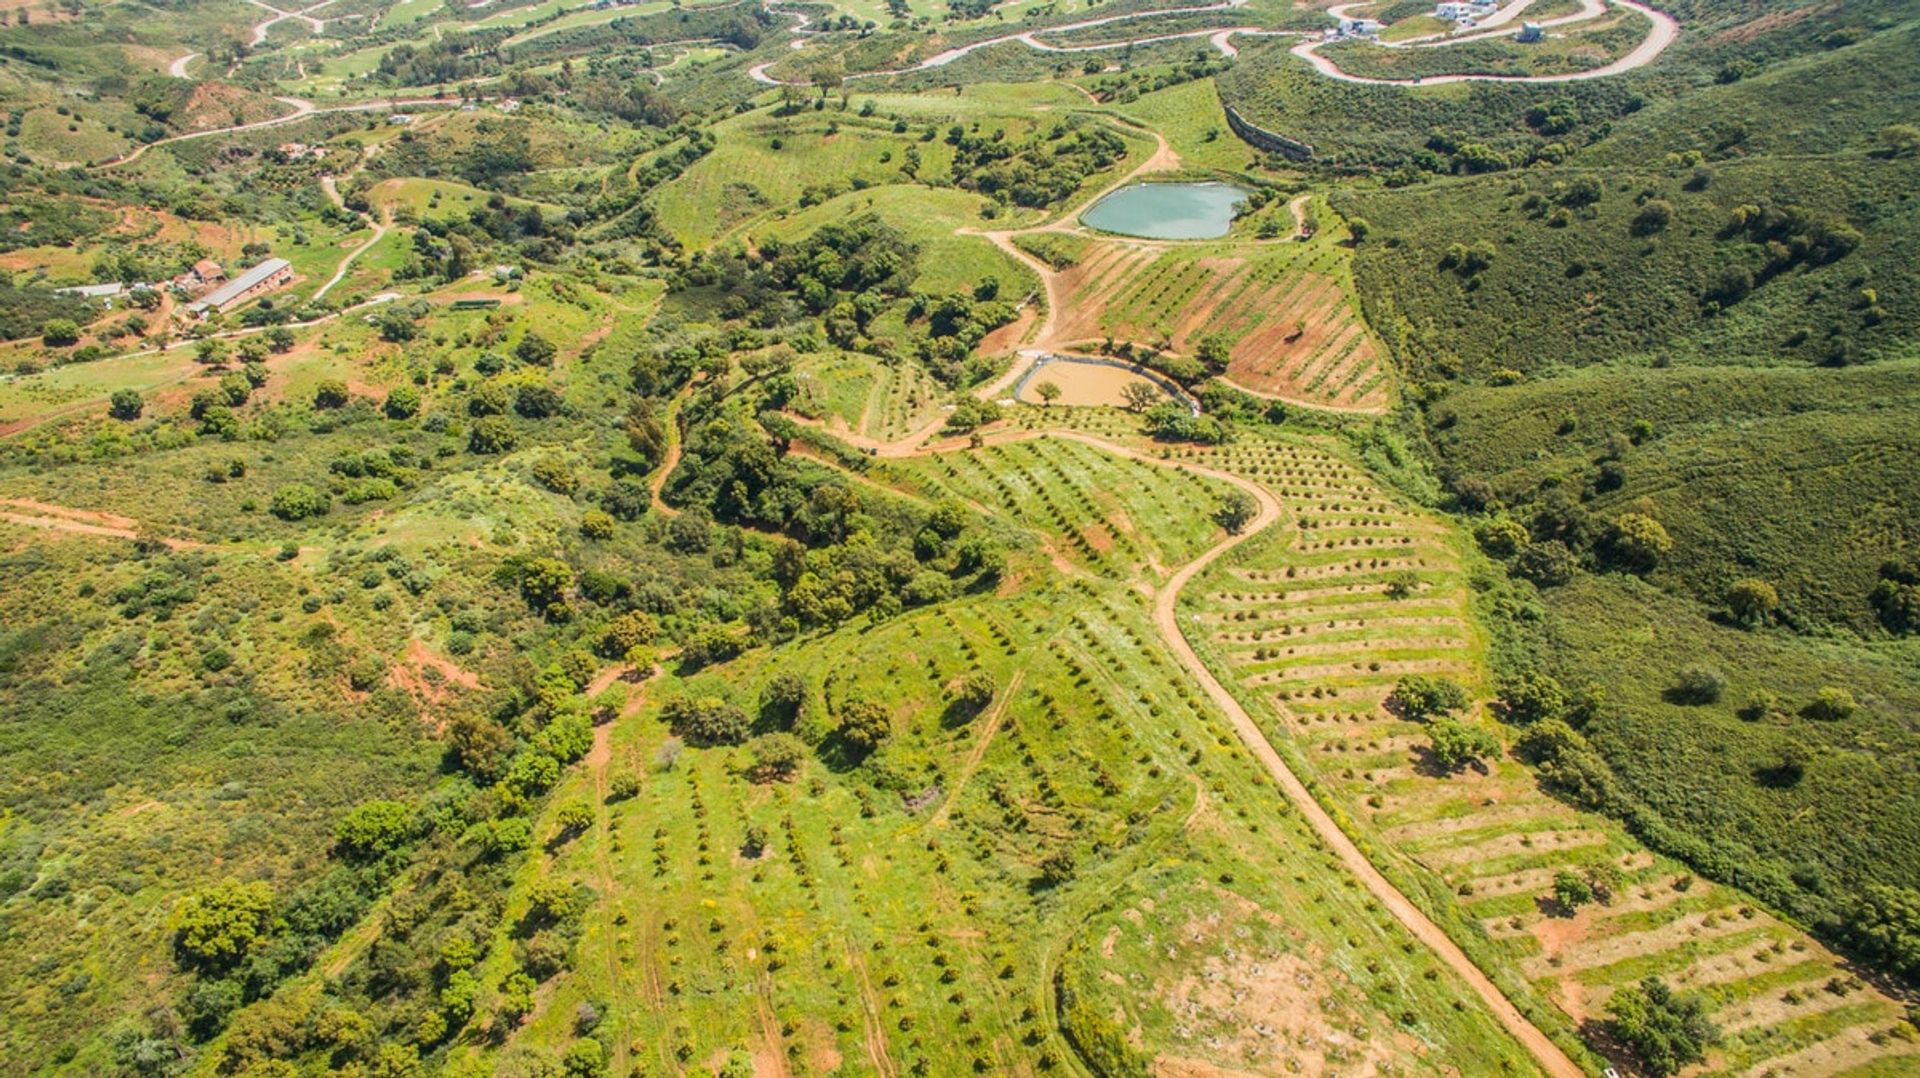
x=1167, y=211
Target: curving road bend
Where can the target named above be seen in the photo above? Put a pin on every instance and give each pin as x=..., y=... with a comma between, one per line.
x=1665, y=31
x=1552, y=1059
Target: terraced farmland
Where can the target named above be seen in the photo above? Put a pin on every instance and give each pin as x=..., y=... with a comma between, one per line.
x=1093, y=511
x=1284, y=307
x=850, y=392
x=1315, y=622
x=962, y=913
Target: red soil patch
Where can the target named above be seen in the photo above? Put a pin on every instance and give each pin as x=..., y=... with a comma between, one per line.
x=431, y=679
x=1771, y=21
x=218, y=104
x=1291, y=334
x=1008, y=337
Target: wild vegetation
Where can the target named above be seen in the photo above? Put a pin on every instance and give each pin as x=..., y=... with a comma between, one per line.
x=701, y=561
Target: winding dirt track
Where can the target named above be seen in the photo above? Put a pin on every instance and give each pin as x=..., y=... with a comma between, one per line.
x=1553, y=1060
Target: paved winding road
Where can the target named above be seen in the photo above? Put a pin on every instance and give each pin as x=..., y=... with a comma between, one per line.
x=1665, y=31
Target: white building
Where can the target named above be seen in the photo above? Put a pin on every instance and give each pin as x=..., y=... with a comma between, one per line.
x=1463, y=10
x=1359, y=27
x=92, y=291
x=1530, y=32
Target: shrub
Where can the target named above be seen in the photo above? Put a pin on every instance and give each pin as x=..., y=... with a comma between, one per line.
x=971, y=414
x=59, y=332
x=1455, y=744
x=1549, y=563
x=537, y=401
x=628, y=631
x=403, y=402
x=572, y=819
x=1665, y=1031
x=1696, y=685
x=487, y=399
x=1501, y=537
x=1638, y=541
x=706, y=720
x=373, y=829
x=1531, y=698
x=556, y=475
x=596, y=524
x=1170, y=422
x=1883, y=925
x=215, y=927
x=1653, y=217
x=777, y=756
x=781, y=699
x=1057, y=868
x=1762, y=705
x=1422, y=697
x=974, y=692
x=543, y=582
x=126, y=405
x=1830, y=704
x=491, y=435
x=1571, y=889
x=1752, y=600
x=297, y=501
x=551, y=900
x=535, y=349
x=712, y=643
x=584, y=1058
x=331, y=393
x=865, y=724
x=1236, y=510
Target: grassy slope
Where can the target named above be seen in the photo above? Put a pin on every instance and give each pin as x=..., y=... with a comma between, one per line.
x=1761, y=463
x=1816, y=515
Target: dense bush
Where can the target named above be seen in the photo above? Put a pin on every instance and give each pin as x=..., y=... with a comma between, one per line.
x=706, y=720
x=1423, y=697
x=1664, y=1030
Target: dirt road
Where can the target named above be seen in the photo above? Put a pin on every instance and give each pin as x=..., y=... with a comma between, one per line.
x=1552, y=1059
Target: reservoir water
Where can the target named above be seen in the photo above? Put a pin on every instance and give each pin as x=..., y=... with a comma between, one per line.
x=1167, y=211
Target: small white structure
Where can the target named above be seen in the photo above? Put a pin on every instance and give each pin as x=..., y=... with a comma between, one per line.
x=1463, y=11
x=1530, y=32
x=509, y=105
x=92, y=291
x=1359, y=27
x=400, y=118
